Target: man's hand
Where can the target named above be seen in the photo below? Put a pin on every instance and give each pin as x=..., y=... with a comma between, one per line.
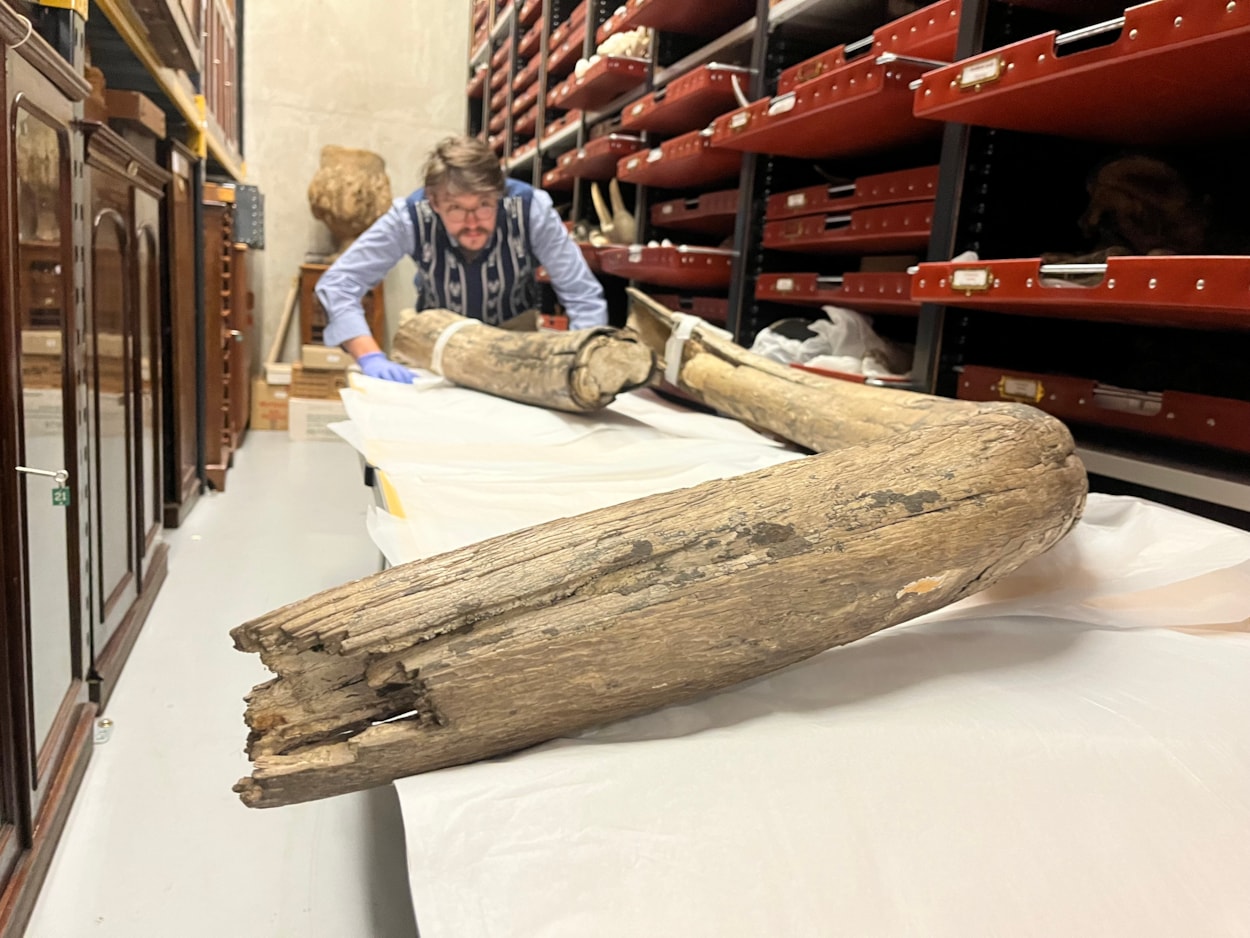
x=377, y=365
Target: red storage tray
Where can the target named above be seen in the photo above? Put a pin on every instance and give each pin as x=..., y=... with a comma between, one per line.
x=680, y=266
x=686, y=103
x=928, y=33
x=1172, y=72
x=499, y=59
x=859, y=108
x=498, y=100
x=811, y=69
x=1179, y=290
x=557, y=180
x=527, y=123
x=909, y=185
x=1192, y=418
x=498, y=79
x=564, y=55
x=589, y=252
x=526, y=100
x=598, y=158
x=497, y=123
x=903, y=227
x=527, y=75
x=531, y=42
x=714, y=213
x=553, y=129
x=477, y=84
x=530, y=11
x=602, y=83
x=688, y=160
x=886, y=292
x=715, y=309
x=481, y=9
x=702, y=18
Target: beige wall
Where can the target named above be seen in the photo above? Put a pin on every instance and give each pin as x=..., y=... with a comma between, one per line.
x=375, y=74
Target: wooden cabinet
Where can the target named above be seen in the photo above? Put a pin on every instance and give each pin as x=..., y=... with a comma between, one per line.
x=123, y=367
x=312, y=315
x=220, y=80
x=174, y=28
x=241, y=341
x=181, y=382
x=45, y=505
x=228, y=335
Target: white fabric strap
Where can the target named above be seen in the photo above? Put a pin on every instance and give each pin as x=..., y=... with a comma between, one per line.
x=436, y=357
x=30, y=28
x=684, y=325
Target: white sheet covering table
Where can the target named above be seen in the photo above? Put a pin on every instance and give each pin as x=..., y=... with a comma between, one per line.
x=1067, y=754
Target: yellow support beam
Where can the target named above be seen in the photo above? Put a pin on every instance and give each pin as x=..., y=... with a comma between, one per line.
x=78, y=6
x=175, y=85
x=229, y=161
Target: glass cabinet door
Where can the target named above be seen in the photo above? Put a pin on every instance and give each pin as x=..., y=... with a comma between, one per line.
x=46, y=444
x=110, y=347
x=148, y=310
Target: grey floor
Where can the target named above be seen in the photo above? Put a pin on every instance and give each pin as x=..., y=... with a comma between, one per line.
x=157, y=844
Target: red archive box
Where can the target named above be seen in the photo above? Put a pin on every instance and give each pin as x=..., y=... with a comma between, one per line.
x=686, y=103
x=1179, y=290
x=477, y=84
x=530, y=11
x=688, y=160
x=713, y=213
x=1168, y=73
x=1192, y=418
x=930, y=33
x=601, y=83
x=857, y=109
x=527, y=75
x=526, y=124
x=598, y=158
x=872, y=292
x=909, y=185
x=531, y=42
x=681, y=266
x=564, y=55
x=888, y=228
x=526, y=100
x=498, y=100
x=499, y=60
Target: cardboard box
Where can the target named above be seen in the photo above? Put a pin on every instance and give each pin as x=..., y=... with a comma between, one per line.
x=310, y=419
x=317, y=385
x=278, y=372
x=270, y=406
x=324, y=358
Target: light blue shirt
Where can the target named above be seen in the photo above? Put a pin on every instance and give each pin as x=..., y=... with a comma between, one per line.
x=392, y=237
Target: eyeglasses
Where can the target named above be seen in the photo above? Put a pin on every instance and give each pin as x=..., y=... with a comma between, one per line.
x=458, y=213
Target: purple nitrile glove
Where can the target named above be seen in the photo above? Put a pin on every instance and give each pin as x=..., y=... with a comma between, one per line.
x=377, y=365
